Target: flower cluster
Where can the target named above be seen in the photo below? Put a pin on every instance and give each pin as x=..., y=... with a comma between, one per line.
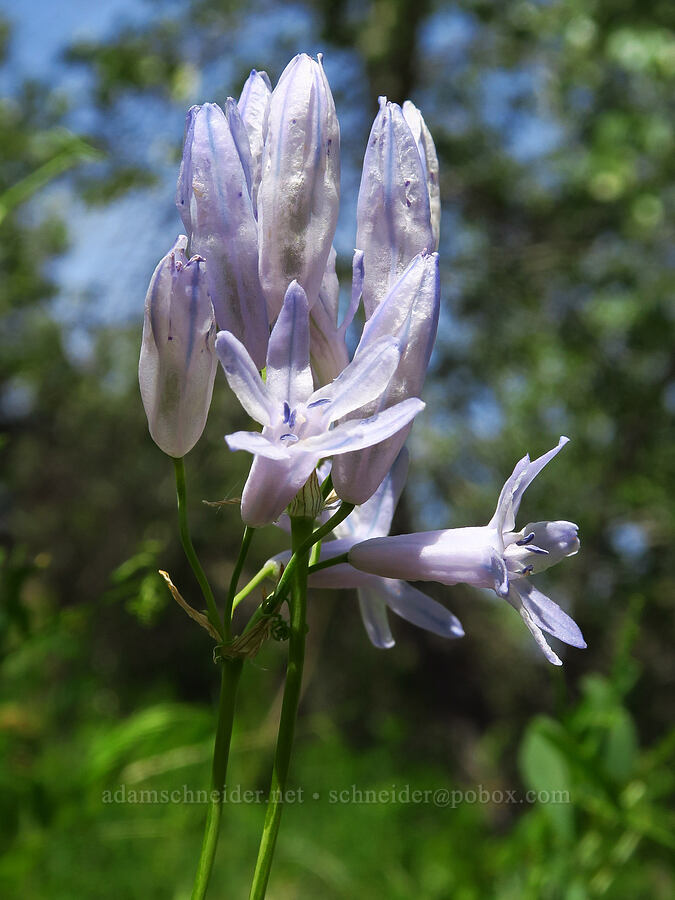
x=258, y=193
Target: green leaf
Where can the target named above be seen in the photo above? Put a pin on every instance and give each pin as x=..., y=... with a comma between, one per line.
x=545, y=771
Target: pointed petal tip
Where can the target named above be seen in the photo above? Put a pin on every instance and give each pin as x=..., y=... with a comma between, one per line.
x=384, y=644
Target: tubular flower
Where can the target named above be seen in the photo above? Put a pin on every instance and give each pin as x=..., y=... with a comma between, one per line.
x=394, y=212
x=299, y=192
x=410, y=313
x=214, y=199
x=493, y=556
x=296, y=419
x=178, y=363
x=375, y=593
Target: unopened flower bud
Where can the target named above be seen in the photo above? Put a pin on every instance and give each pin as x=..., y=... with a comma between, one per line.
x=393, y=214
x=213, y=198
x=300, y=189
x=178, y=359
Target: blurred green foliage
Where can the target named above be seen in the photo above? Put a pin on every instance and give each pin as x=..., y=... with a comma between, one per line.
x=554, y=126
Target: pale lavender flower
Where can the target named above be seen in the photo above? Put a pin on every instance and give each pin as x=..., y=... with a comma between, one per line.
x=493, y=556
x=214, y=199
x=178, y=363
x=296, y=419
x=377, y=594
x=299, y=192
x=409, y=313
x=394, y=212
x=254, y=104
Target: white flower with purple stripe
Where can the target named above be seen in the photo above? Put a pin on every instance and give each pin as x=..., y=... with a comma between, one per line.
x=493, y=556
x=296, y=419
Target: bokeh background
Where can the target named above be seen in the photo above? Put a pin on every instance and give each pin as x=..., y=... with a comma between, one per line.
x=554, y=122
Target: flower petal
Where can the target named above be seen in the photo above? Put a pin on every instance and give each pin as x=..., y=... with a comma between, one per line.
x=523, y=475
x=240, y=138
x=253, y=106
x=536, y=633
x=361, y=381
x=328, y=349
x=449, y=557
x=343, y=575
x=256, y=443
x=547, y=615
x=420, y=609
x=427, y=152
x=357, y=290
x=289, y=377
x=374, y=614
x=373, y=518
x=243, y=377
x=271, y=485
x=356, y=434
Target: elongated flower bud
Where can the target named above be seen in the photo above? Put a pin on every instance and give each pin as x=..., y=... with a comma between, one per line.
x=300, y=189
x=410, y=314
x=393, y=213
x=254, y=104
x=213, y=197
x=178, y=359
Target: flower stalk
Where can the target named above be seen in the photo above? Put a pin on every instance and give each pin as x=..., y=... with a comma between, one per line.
x=231, y=672
x=301, y=534
x=234, y=581
x=181, y=498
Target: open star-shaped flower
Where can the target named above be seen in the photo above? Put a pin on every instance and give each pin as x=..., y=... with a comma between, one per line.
x=297, y=420
x=492, y=556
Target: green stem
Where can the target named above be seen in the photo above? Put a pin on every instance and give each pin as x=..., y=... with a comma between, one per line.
x=315, y=555
x=272, y=603
x=327, y=486
x=318, y=535
x=221, y=752
x=301, y=533
x=267, y=571
x=234, y=581
x=186, y=541
x=327, y=563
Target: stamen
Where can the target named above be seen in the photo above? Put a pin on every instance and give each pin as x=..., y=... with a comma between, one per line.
x=319, y=403
x=289, y=416
x=527, y=570
x=292, y=438
x=534, y=549
x=525, y=540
